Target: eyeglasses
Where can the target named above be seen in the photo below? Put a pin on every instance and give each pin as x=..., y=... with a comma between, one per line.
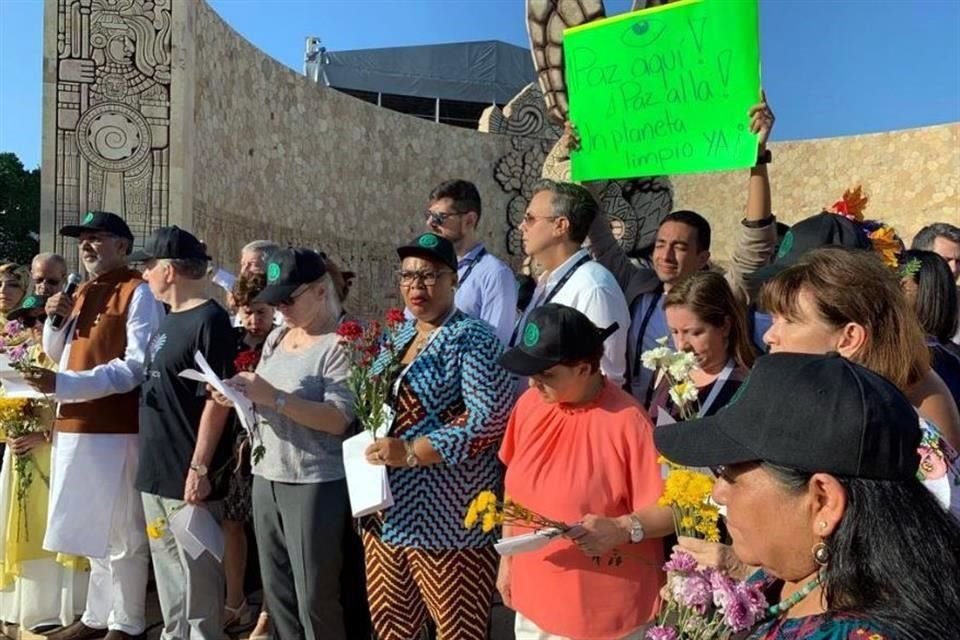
x=529, y=220
x=50, y=282
x=428, y=278
x=29, y=322
x=438, y=218
x=292, y=299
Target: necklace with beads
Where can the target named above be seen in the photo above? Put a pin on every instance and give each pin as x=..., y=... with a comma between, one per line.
x=785, y=605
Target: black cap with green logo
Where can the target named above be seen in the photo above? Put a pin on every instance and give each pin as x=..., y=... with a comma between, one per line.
x=32, y=302
x=432, y=247
x=95, y=221
x=287, y=271
x=554, y=334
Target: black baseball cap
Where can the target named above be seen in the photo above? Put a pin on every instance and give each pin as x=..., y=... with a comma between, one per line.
x=553, y=334
x=99, y=221
x=432, y=247
x=287, y=271
x=812, y=413
x=171, y=243
x=822, y=230
x=30, y=303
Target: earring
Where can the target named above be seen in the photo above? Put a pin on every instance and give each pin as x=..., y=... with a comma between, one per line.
x=823, y=525
x=821, y=555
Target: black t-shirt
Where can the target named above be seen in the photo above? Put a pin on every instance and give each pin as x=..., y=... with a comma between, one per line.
x=171, y=406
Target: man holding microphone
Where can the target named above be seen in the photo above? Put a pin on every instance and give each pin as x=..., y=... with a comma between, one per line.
x=99, y=337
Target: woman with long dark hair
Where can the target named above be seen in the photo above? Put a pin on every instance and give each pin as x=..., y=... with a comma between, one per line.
x=849, y=543
x=930, y=288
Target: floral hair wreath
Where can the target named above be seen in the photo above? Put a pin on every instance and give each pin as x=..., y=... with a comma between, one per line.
x=883, y=238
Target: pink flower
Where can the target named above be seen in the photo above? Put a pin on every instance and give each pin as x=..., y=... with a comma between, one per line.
x=680, y=562
x=661, y=632
x=13, y=327
x=692, y=591
x=18, y=354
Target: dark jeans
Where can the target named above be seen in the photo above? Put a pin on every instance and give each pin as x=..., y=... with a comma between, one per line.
x=300, y=532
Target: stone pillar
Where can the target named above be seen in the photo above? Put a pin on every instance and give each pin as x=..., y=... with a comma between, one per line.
x=117, y=97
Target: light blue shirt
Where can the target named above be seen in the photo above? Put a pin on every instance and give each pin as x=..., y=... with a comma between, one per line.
x=487, y=291
x=641, y=378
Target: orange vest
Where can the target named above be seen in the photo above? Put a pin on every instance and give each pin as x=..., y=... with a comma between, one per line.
x=99, y=336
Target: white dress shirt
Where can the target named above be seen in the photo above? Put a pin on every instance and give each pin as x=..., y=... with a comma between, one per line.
x=593, y=291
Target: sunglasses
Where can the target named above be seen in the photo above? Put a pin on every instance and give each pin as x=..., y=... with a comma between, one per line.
x=438, y=218
x=50, y=282
x=292, y=298
x=29, y=322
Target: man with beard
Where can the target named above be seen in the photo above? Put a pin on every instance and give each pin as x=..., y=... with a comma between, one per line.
x=95, y=511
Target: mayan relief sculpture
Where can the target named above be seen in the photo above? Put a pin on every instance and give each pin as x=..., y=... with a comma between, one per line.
x=535, y=118
x=113, y=112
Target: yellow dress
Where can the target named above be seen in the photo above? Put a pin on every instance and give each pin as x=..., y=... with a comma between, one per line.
x=36, y=586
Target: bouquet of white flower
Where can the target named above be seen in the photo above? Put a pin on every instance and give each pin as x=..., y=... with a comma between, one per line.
x=675, y=366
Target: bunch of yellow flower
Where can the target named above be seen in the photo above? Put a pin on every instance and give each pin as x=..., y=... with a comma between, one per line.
x=687, y=493
x=12, y=410
x=491, y=512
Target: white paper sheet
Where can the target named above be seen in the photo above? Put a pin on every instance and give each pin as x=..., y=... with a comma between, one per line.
x=240, y=402
x=526, y=542
x=197, y=531
x=367, y=484
x=14, y=386
x=224, y=279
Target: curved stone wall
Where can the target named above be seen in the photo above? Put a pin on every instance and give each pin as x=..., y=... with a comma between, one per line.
x=160, y=111
x=912, y=178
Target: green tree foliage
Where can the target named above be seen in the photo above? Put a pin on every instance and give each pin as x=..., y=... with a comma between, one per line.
x=19, y=210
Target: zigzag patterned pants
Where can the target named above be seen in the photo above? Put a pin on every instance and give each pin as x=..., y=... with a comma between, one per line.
x=404, y=584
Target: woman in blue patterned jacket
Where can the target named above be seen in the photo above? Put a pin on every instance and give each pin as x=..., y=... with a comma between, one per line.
x=450, y=402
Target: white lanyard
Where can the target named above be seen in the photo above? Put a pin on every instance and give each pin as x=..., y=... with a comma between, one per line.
x=430, y=338
x=717, y=386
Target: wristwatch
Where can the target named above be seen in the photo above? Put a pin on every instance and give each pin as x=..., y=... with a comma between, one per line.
x=412, y=459
x=636, y=529
x=280, y=401
x=764, y=157
x=201, y=469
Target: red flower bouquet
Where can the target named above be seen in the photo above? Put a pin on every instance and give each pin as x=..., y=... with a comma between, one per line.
x=363, y=346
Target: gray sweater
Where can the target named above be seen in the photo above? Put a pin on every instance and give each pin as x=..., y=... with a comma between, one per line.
x=293, y=452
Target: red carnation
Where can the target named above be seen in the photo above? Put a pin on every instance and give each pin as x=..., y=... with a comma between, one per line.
x=351, y=331
x=394, y=317
x=246, y=360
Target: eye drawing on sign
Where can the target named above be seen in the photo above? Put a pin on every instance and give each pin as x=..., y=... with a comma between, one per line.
x=535, y=118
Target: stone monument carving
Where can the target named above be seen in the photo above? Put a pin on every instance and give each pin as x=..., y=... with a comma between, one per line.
x=111, y=149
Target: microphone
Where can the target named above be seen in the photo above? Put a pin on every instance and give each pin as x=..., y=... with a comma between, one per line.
x=56, y=320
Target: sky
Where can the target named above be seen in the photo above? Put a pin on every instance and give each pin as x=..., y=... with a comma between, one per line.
x=830, y=67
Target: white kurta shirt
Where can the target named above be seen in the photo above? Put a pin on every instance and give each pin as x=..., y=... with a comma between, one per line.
x=87, y=469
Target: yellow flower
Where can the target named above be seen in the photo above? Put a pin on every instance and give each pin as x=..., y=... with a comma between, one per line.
x=686, y=523
x=471, y=518
x=156, y=528
x=489, y=521
x=485, y=500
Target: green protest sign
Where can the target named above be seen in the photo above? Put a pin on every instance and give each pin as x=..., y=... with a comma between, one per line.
x=664, y=90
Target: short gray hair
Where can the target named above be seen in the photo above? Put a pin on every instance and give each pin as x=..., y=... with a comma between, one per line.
x=573, y=202
x=926, y=236
x=48, y=256
x=260, y=246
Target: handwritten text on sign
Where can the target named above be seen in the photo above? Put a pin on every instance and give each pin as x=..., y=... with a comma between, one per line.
x=664, y=91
